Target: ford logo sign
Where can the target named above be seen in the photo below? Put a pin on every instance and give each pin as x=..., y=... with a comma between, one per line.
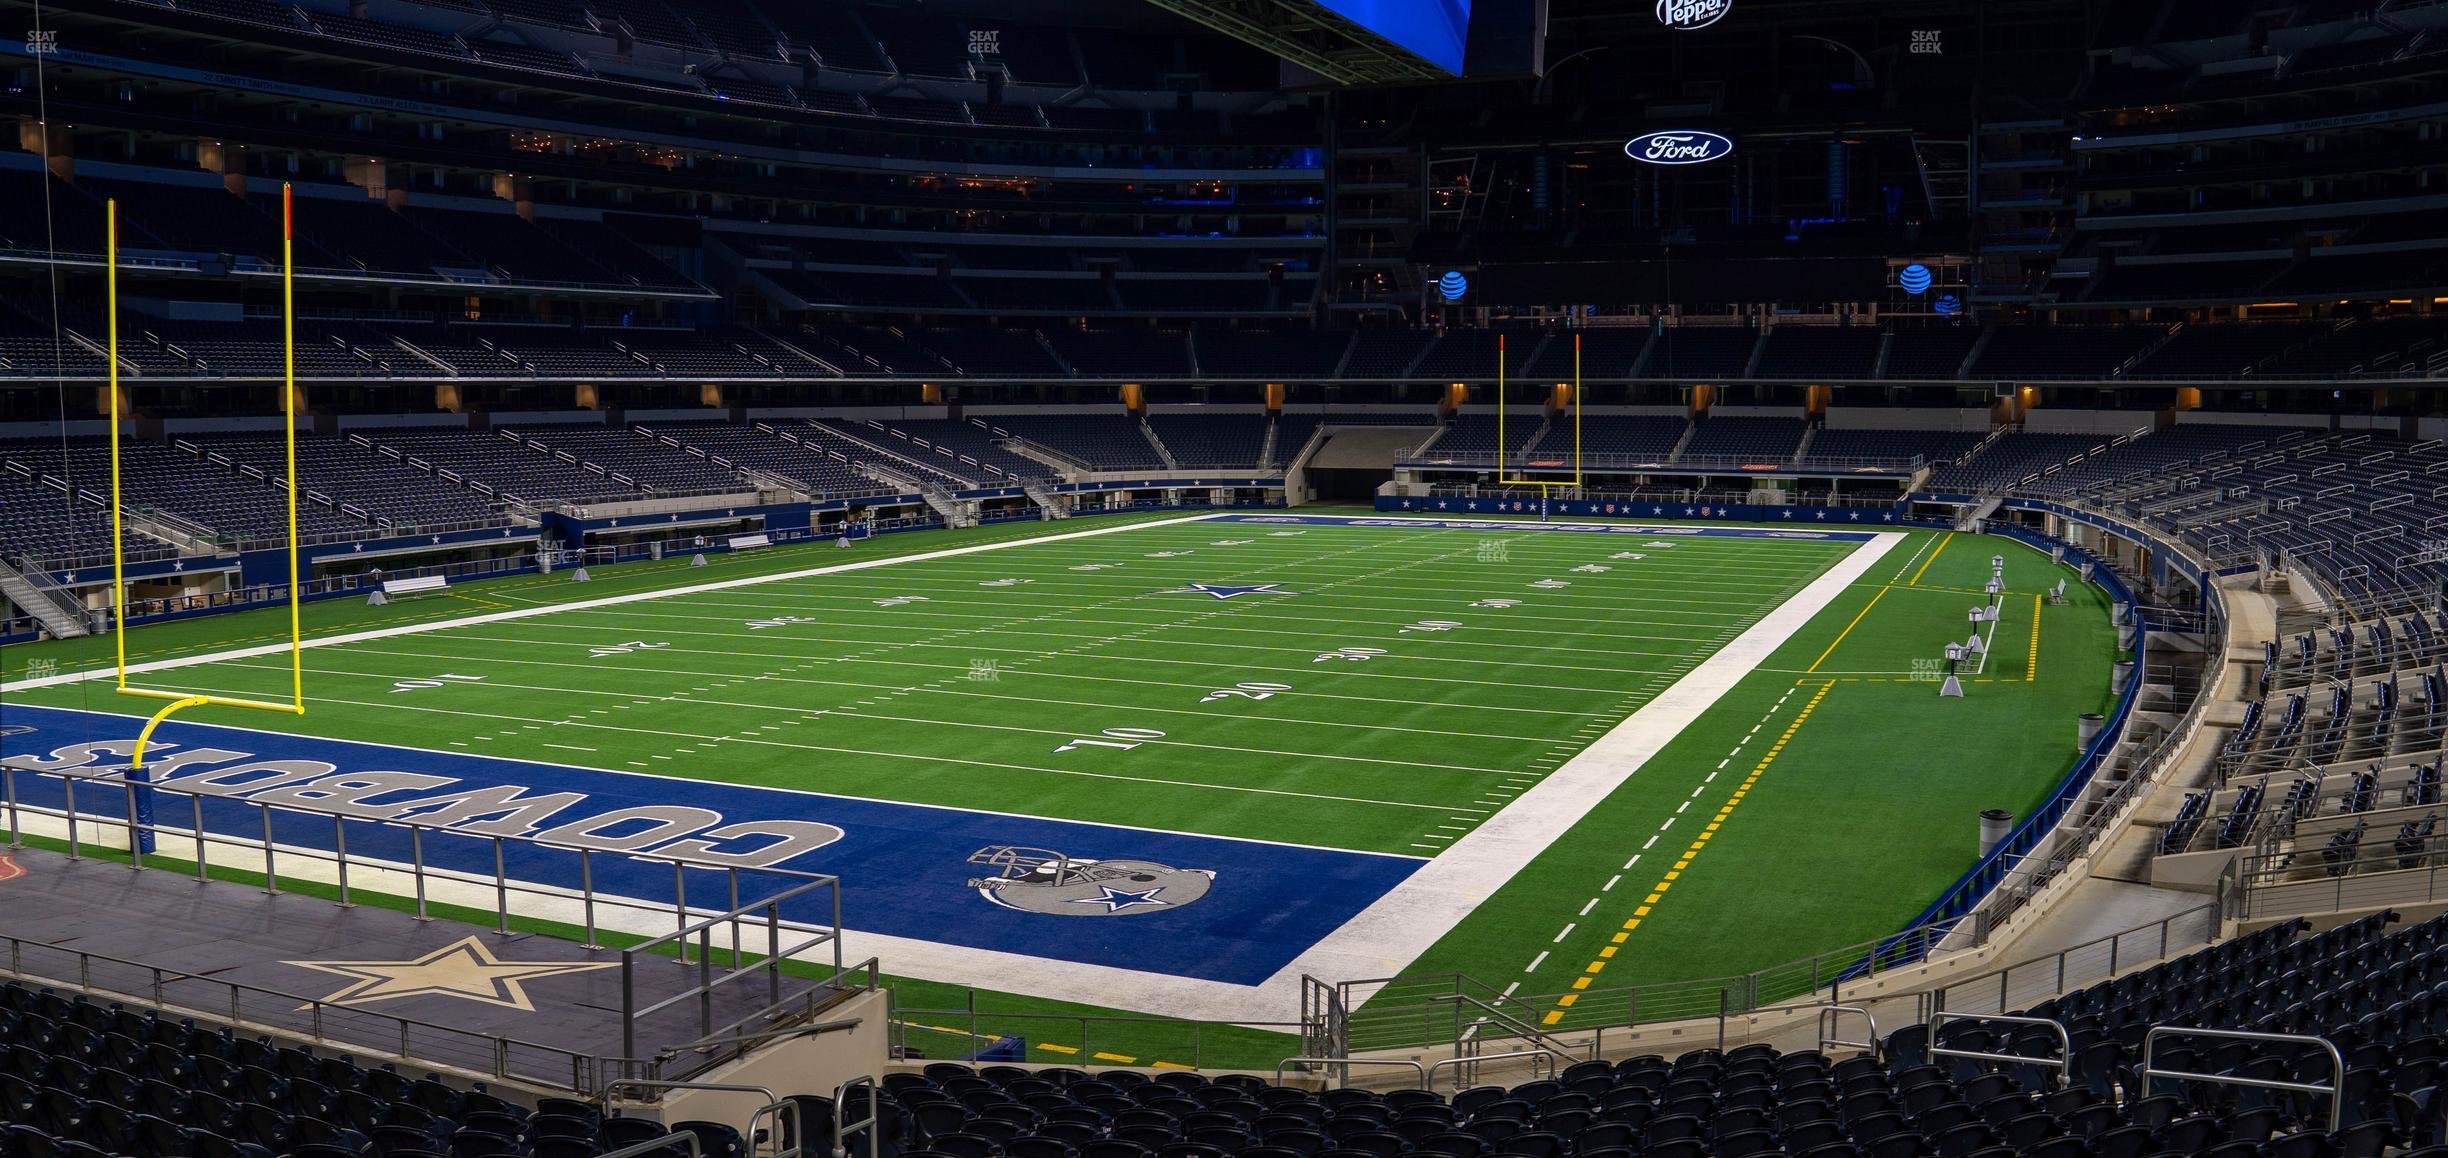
x=1685, y=15
x=1679, y=147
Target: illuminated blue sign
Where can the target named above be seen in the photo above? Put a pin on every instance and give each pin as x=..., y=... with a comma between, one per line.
x=1948, y=305
x=1685, y=15
x=1453, y=285
x=1915, y=279
x=1433, y=30
x=1679, y=147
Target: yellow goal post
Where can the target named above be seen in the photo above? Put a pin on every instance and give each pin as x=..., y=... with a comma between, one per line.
x=1505, y=475
x=179, y=700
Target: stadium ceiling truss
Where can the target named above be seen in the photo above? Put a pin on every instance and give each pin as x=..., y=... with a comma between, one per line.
x=1309, y=35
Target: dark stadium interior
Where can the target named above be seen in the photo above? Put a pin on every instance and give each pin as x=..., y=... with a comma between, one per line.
x=2178, y=265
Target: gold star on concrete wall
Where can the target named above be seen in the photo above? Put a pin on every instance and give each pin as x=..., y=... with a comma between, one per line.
x=463, y=968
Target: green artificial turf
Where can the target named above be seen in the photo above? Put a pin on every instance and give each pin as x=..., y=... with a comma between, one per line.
x=951, y=681
x=1858, y=822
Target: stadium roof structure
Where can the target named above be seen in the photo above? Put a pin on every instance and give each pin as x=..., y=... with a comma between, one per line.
x=1311, y=34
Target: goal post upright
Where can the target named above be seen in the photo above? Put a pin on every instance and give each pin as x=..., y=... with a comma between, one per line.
x=141, y=836
x=110, y=308
x=1505, y=476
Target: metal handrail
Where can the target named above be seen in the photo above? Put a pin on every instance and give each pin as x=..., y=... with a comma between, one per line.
x=703, y=930
x=1831, y=1015
x=2064, y=1061
x=866, y=1125
x=2060, y=981
x=1492, y=1015
x=498, y=1048
x=1460, y=1064
x=612, y=1087
x=1337, y=1063
x=499, y=881
x=2337, y=1063
x=658, y=1146
x=811, y=1029
x=417, y=829
x=774, y=1107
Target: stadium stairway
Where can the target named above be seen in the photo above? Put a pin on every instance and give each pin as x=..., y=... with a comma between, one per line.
x=1970, y=519
x=952, y=511
x=1048, y=503
x=1164, y=454
x=58, y=615
x=2252, y=620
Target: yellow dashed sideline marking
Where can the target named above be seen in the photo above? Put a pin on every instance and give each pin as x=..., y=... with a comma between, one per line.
x=1050, y=1047
x=2031, y=663
x=1698, y=845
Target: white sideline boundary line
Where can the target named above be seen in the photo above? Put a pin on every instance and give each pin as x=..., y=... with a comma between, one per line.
x=1382, y=939
x=1385, y=938
x=590, y=604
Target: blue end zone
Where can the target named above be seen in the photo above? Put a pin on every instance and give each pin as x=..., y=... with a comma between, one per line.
x=904, y=868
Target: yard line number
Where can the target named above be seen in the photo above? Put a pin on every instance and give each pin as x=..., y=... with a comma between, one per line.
x=441, y=681
x=1123, y=738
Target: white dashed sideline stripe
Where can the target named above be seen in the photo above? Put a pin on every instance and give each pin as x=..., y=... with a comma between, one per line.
x=1387, y=936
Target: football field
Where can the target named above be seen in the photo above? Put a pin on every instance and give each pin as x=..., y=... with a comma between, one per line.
x=1344, y=746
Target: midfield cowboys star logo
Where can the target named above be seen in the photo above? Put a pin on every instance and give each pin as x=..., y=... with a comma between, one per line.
x=1230, y=591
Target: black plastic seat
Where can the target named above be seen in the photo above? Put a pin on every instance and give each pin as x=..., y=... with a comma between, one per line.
x=1532, y=1144
x=2305, y=1144
x=2367, y=1140
x=1879, y=1127
x=482, y=1144
x=2125, y=1142
x=1943, y=1117
x=1672, y=1127
x=1745, y=1143
x=1034, y=1146
x=2191, y=1135
x=1904, y=1145
x=2156, y=1112
x=1964, y=1140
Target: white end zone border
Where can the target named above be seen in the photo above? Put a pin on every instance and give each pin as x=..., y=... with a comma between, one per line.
x=1381, y=940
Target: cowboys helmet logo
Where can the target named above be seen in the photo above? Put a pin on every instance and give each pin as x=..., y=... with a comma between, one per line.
x=1036, y=880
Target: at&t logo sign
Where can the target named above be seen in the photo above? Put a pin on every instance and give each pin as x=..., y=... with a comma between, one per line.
x=1679, y=147
x=1685, y=15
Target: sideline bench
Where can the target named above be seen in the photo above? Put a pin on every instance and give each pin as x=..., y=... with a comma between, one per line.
x=419, y=585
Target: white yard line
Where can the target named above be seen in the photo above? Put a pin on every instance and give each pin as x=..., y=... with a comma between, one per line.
x=1381, y=940
x=586, y=604
x=1391, y=933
